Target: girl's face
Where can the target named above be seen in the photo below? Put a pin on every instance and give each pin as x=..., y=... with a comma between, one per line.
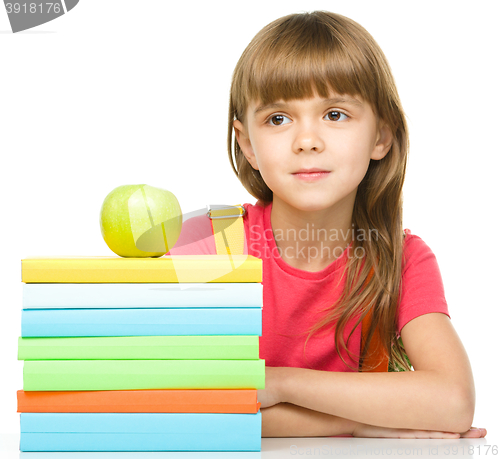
x=313, y=153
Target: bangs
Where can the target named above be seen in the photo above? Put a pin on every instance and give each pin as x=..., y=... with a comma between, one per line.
x=296, y=60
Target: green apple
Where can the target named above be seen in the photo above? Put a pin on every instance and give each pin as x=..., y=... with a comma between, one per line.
x=140, y=221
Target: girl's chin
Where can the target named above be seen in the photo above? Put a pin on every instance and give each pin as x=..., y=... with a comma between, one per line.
x=307, y=205
x=316, y=200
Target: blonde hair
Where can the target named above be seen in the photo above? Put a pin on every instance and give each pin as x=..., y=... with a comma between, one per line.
x=296, y=57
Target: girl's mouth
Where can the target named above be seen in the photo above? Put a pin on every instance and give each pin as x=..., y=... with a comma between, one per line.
x=311, y=176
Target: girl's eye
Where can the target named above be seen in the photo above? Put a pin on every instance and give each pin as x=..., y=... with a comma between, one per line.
x=278, y=120
x=334, y=115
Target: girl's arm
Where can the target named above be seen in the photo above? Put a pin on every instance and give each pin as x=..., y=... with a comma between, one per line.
x=439, y=395
x=287, y=420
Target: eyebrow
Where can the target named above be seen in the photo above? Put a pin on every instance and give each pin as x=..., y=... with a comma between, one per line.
x=332, y=101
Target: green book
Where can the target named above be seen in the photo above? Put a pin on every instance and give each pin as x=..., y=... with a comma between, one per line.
x=69, y=375
x=140, y=348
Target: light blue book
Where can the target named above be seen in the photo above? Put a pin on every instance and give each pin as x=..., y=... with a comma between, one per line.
x=143, y=455
x=229, y=295
x=140, y=432
x=141, y=322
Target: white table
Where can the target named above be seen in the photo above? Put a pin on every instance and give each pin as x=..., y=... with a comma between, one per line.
x=301, y=447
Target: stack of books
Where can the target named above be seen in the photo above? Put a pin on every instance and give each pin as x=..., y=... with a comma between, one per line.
x=128, y=354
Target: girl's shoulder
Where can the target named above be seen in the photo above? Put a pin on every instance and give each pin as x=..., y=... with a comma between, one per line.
x=422, y=284
x=256, y=213
x=415, y=250
x=258, y=208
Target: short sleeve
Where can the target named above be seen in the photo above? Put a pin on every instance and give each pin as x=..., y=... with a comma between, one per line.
x=422, y=289
x=196, y=238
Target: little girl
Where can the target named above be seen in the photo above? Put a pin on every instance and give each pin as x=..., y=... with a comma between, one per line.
x=321, y=141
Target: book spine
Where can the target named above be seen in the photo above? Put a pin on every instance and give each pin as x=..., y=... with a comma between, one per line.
x=216, y=269
x=140, y=322
x=139, y=401
x=140, y=432
x=140, y=348
x=85, y=375
x=70, y=296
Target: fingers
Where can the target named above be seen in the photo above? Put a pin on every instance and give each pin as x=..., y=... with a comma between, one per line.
x=408, y=433
x=474, y=432
x=364, y=430
x=381, y=432
x=402, y=433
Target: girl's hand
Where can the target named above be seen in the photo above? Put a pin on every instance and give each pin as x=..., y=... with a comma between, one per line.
x=271, y=395
x=365, y=430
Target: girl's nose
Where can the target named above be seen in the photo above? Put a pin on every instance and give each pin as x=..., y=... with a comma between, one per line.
x=308, y=140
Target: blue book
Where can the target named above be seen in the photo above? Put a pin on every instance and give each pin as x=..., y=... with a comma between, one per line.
x=141, y=322
x=70, y=296
x=142, y=455
x=140, y=432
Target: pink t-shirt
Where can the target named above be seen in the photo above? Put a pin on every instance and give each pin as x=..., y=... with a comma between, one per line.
x=293, y=298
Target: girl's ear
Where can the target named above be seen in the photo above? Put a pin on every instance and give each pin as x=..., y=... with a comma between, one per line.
x=383, y=143
x=244, y=142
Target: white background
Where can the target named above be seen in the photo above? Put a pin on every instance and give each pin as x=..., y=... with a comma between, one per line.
x=126, y=92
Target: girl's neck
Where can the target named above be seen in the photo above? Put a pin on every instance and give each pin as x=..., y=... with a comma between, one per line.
x=311, y=240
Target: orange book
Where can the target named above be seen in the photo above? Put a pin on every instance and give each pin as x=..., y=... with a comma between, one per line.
x=139, y=401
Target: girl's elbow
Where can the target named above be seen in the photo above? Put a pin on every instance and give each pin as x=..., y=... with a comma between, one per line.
x=463, y=402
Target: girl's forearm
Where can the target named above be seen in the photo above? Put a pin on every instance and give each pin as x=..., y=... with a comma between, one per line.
x=287, y=420
x=412, y=400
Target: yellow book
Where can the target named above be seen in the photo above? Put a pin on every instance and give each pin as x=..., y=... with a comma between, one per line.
x=172, y=269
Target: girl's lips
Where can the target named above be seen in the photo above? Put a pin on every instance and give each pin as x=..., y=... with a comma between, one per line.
x=311, y=176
